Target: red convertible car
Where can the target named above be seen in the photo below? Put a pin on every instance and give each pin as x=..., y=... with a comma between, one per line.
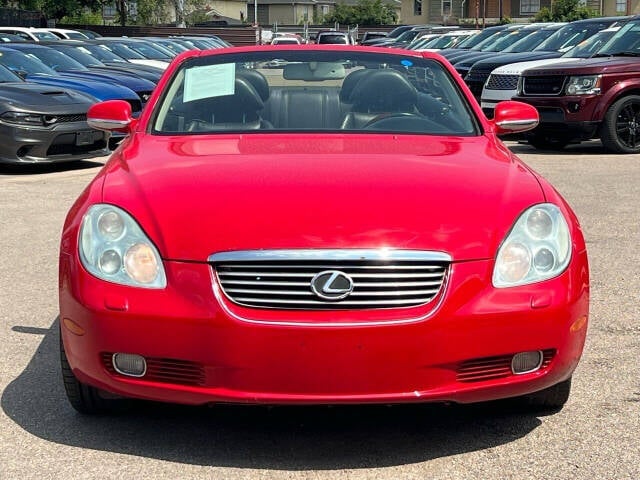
x=318, y=225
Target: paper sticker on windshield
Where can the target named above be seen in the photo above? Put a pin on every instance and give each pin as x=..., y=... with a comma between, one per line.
x=209, y=81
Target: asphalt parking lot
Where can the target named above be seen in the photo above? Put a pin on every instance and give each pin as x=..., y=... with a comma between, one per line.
x=594, y=437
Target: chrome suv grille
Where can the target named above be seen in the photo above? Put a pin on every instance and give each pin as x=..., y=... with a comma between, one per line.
x=319, y=279
x=543, y=85
x=502, y=82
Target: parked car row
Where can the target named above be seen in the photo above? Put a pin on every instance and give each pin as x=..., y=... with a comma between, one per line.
x=50, y=77
x=583, y=77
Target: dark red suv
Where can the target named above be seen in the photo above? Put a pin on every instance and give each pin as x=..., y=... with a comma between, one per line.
x=590, y=98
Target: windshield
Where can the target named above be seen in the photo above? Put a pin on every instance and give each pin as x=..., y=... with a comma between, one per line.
x=23, y=63
x=588, y=47
x=489, y=41
x=333, y=38
x=508, y=40
x=148, y=51
x=45, y=36
x=294, y=90
x=529, y=42
x=570, y=35
x=123, y=51
x=76, y=35
x=7, y=75
x=474, y=40
x=101, y=53
x=409, y=35
x=626, y=40
x=54, y=59
x=81, y=57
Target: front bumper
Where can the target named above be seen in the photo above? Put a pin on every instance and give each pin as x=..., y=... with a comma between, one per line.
x=61, y=142
x=205, y=349
x=572, y=117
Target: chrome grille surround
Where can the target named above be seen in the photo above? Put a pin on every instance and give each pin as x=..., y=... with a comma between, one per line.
x=281, y=279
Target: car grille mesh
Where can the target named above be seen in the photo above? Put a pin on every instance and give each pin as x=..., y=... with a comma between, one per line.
x=543, y=85
x=491, y=368
x=165, y=370
x=287, y=284
x=502, y=82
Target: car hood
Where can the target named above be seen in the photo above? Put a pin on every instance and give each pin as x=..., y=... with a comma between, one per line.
x=490, y=63
x=590, y=66
x=41, y=98
x=99, y=90
x=518, y=68
x=136, y=84
x=203, y=194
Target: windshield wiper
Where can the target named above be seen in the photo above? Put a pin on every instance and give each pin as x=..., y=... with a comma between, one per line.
x=618, y=54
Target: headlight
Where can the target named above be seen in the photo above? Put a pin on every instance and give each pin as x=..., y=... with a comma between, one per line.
x=22, y=118
x=537, y=248
x=584, y=85
x=114, y=248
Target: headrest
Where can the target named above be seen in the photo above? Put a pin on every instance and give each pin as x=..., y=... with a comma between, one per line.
x=383, y=91
x=350, y=82
x=257, y=81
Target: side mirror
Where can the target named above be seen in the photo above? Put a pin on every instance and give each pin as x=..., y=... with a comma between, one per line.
x=514, y=117
x=112, y=115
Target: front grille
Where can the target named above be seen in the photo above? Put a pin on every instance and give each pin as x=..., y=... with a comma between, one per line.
x=283, y=280
x=164, y=370
x=492, y=368
x=69, y=118
x=543, y=85
x=502, y=82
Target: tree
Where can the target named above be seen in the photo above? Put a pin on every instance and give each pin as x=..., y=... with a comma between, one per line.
x=564, y=11
x=365, y=12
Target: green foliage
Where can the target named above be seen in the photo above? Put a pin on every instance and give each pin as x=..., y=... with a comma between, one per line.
x=83, y=18
x=564, y=11
x=504, y=21
x=365, y=12
x=152, y=12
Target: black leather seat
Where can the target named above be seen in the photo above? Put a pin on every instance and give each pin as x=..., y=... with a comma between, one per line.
x=239, y=111
x=378, y=93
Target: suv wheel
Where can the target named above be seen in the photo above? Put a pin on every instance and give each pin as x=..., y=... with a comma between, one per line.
x=621, y=126
x=543, y=141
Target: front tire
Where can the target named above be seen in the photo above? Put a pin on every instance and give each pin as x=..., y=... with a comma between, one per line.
x=84, y=398
x=549, y=400
x=621, y=126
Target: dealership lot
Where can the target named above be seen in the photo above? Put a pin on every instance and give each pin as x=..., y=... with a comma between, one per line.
x=594, y=436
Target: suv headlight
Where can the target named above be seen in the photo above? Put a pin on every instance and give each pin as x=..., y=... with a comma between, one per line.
x=537, y=248
x=114, y=248
x=584, y=85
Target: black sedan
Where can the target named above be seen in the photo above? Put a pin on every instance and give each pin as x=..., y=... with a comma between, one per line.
x=40, y=124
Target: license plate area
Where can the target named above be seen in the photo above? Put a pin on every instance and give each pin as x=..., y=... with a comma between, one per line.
x=84, y=138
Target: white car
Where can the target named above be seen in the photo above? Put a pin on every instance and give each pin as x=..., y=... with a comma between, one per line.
x=502, y=84
x=31, y=34
x=67, y=34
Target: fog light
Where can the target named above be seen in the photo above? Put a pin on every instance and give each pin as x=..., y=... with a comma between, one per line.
x=526, y=362
x=129, y=364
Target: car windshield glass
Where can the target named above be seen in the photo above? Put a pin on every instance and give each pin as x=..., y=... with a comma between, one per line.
x=529, y=42
x=409, y=35
x=508, y=40
x=80, y=56
x=7, y=75
x=275, y=91
x=101, y=53
x=173, y=46
x=441, y=42
x=569, y=36
x=626, y=40
x=76, y=35
x=124, y=51
x=54, y=59
x=332, y=38
x=20, y=62
x=147, y=51
x=489, y=41
x=474, y=40
x=45, y=36
x=588, y=47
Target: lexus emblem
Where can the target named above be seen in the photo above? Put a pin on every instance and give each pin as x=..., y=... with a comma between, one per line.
x=332, y=285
